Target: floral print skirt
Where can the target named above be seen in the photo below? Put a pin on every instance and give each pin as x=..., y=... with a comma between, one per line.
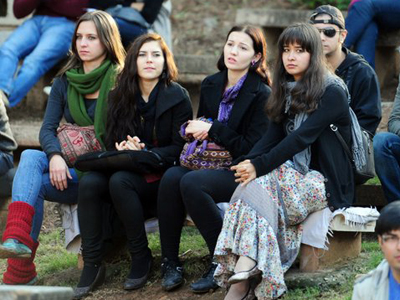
x=263, y=222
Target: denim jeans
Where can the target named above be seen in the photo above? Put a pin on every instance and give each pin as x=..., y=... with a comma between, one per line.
x=32, y=185
x=41, y=42
x=129, y=31
x=387, y=163
x=362, y=24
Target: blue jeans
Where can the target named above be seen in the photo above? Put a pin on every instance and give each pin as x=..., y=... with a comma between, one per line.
x=41, y=42
x=387, y=163
x=129, y=31
x=32, y=185
x=362, y=24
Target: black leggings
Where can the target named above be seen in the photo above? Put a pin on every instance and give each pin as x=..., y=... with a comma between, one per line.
x=196, y=192
x=134, y=200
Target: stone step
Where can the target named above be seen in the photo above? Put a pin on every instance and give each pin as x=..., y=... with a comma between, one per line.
x=19, y=292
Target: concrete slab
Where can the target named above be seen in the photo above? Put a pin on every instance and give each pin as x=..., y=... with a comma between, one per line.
x=19, y=292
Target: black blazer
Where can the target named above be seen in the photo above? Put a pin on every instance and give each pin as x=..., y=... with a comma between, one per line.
x=247, y=122
x=173, y=108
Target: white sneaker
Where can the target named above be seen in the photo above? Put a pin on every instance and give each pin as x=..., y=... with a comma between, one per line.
x=4, y=98
x=47, y=90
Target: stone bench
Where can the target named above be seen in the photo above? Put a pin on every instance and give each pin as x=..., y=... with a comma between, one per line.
x=273, y=21
x=23, y=292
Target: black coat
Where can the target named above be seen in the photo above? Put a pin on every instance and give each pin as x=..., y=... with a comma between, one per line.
x=327, y=154
x=247, y=122
x=173, y=108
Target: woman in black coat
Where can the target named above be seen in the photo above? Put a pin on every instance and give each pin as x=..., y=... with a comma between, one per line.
x=233, y=100
x=145, y=112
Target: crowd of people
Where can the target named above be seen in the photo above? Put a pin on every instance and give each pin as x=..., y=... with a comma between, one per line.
x=284, y=161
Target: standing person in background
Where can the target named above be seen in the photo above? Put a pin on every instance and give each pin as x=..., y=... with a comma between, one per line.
x=359, y=77
x=41, y=41
x=387, y=153
x=79, y=94
x=364, y=20
x=234, y=100
x=145, y=112
x=298, y=167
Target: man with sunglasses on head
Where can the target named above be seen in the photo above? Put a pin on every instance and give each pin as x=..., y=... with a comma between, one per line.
x=383, y=283
x=358, y=75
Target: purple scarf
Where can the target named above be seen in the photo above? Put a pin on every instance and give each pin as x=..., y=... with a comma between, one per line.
x=225, y=107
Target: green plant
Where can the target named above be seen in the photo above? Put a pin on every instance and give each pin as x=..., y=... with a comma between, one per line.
x=312, y=4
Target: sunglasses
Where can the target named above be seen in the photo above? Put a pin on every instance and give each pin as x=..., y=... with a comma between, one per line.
x=328, y=32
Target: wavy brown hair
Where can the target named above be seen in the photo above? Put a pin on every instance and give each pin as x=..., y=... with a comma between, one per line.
x=309, y=89
x=259, y=45
x=122, y=118
x=108, y=33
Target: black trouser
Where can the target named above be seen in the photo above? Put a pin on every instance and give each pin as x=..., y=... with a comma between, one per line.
x=134, y=200
x=198, y=192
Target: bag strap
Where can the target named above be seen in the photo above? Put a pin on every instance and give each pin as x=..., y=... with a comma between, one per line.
x=342, y=142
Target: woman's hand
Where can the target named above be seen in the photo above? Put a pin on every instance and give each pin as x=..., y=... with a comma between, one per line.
x=245, y=172
x=132, y=143
x=59, y=172
x=199, y=129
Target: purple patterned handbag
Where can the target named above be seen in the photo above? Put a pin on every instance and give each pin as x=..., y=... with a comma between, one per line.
x=198, y=155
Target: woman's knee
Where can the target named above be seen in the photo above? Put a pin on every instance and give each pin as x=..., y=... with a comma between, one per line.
x=32, y=155
x=384, y=140
x=93, y=184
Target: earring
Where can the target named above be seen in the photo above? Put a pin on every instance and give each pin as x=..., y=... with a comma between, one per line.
x=253, y=62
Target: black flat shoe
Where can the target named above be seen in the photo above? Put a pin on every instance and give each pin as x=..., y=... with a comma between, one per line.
x=206, y=283
x=82, y=292
x=172, y=275
x=137, y=283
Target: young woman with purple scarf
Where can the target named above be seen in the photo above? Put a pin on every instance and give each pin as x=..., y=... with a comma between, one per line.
x=233, y=100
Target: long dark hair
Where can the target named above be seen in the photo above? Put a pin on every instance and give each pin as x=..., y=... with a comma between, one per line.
x=309, y=89
x=122, y=117
x=259, y=45
x=108, y=33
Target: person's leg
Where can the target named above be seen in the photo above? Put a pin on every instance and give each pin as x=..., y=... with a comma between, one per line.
x=358, y=18
x=171, y=215
x=387, y=163
x=93, y=193
x=6, y=163
x=133, y=199
x=25, y=214
x=19, y=44
x=366, y=44
x=44, y=56
x=201, y=190
x=6, y=183
x=129, y=31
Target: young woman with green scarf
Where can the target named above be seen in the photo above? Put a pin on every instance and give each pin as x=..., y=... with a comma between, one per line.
x=78, y=94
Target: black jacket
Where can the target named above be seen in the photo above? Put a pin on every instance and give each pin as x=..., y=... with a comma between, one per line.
x=363, y=86
x=173, y=108
x=247, y=122
x=327, y=154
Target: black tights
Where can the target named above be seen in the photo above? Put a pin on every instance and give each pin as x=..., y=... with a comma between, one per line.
x=196, y=192
x=134, y=200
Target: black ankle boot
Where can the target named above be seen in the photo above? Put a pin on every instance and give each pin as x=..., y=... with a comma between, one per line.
x=206, y=283
x=172, y=272
x=140, y=270
x=83, y=291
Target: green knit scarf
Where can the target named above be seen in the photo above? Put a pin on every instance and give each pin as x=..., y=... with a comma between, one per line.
x=80, y=84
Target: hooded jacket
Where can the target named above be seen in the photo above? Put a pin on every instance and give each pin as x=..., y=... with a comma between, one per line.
x=374, y=285
x=363, y=86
